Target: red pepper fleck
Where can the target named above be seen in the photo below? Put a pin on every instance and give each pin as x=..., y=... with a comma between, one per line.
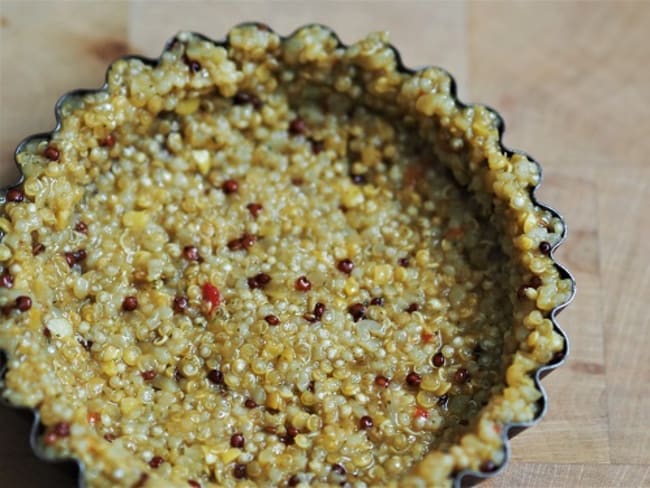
x=421, y=412
x=427, y=337
x=156, y=461
x=108, y=141
x=230, y=186
x=15, y=195
x=303, y=284
x=93, y=418
x=254, y=209
x=211, y=295
x=52, y=153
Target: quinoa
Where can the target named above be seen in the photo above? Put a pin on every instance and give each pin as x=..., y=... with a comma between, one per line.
x=276, y=261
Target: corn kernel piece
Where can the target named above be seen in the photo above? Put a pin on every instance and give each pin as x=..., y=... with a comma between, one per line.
x=351, y=287
x=230, y=455
x=128, y=405
x=274, y=401
x=187, y=106
x=383, y=274
x=430, y=383
x=202, y=160
x=60, y=327
x=109, y=368
x=135, y=219
x=352, y=197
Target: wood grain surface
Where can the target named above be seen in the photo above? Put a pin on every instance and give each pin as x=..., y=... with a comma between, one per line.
x=572, y=80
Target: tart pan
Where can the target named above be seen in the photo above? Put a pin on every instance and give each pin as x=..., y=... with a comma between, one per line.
x=462, y=478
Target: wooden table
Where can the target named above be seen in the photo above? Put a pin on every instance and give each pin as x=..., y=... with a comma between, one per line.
x=571, y=79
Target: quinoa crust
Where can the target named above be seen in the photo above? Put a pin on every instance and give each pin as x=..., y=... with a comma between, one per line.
x=276, y=261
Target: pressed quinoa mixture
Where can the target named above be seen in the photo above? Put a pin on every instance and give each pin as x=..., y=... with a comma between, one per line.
x=276, y=262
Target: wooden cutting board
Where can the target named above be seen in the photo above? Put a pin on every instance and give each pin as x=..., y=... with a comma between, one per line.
x=572, y=81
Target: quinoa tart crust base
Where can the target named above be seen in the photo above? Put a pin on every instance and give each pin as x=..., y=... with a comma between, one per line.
x=223, y=118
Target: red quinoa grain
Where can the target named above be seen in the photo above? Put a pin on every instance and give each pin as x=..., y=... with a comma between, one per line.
x=51, y=153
